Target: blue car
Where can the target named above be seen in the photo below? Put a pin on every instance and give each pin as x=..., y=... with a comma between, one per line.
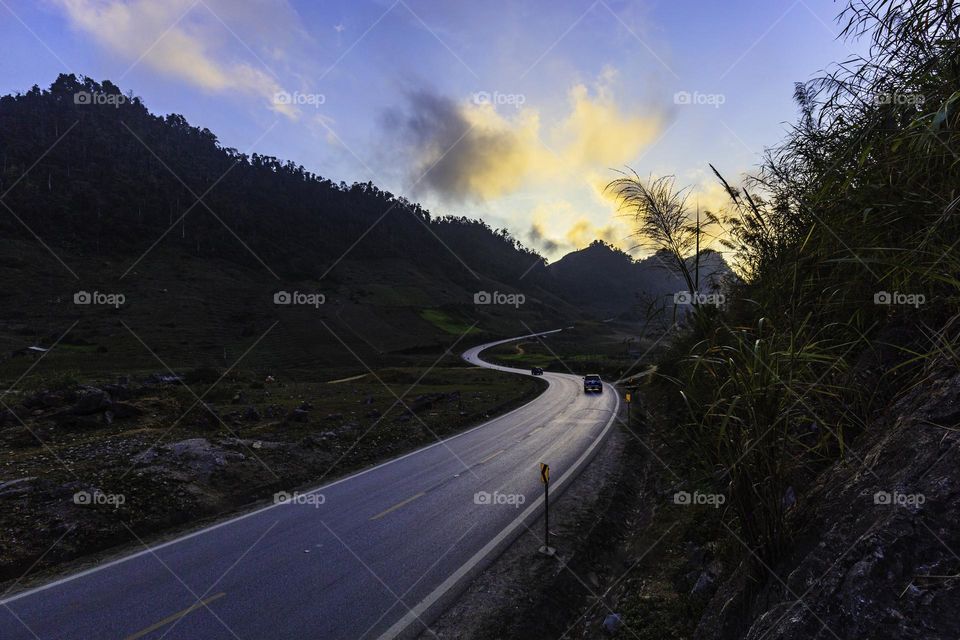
x=592, y=383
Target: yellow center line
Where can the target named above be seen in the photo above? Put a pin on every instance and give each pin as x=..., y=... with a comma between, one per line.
x=175, y=616
x=491, y=456
x=398, y=505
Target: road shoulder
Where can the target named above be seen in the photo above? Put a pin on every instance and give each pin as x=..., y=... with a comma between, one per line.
x=514, y=583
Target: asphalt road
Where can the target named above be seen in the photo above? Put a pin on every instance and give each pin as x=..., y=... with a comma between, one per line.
x=378, y=554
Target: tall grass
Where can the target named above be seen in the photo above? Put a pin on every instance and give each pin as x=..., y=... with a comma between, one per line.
x=860, y=198
x=663, y=221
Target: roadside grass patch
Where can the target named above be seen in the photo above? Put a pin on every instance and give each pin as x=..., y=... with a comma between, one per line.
x=443, y=321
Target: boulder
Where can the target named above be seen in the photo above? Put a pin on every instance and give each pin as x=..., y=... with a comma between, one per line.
x=91, y=400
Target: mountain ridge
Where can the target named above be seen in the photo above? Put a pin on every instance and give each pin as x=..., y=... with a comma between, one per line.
x=106, y=196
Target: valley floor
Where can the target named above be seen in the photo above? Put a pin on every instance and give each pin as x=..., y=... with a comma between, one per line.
x=88, y=469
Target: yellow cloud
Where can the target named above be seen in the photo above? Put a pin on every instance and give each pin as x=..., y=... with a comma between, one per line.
x=598, y=132
x=711, y=195
x=472, y=151
x=583, y=232
x=580, y=233
x=558, y=226
x=511, y=151
x=598, y=184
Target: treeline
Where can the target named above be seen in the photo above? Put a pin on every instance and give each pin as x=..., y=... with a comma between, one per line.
x=91, y=170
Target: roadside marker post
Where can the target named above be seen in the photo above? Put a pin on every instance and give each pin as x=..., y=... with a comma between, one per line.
x=628, y=397
x=546, y=549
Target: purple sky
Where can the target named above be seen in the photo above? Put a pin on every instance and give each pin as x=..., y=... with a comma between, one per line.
x=514, y=111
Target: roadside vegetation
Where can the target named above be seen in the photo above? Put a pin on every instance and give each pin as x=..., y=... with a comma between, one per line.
x=777, y=400
x=847, y=294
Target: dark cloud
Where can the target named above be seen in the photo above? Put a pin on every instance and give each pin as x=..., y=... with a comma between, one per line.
x=540, y=241
x=449, y=158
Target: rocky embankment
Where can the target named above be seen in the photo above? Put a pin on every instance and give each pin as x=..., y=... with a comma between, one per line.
x=877, y=554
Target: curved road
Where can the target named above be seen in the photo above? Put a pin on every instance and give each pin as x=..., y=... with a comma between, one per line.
x=378, y=554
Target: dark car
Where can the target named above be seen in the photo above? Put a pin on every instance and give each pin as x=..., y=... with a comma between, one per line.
x=537, y=371
x=592, y=383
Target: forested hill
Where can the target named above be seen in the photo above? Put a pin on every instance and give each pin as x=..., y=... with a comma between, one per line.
x=610, y=282
x=91, y=170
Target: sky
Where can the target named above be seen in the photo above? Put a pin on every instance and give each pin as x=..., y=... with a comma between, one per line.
x=518, y=112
